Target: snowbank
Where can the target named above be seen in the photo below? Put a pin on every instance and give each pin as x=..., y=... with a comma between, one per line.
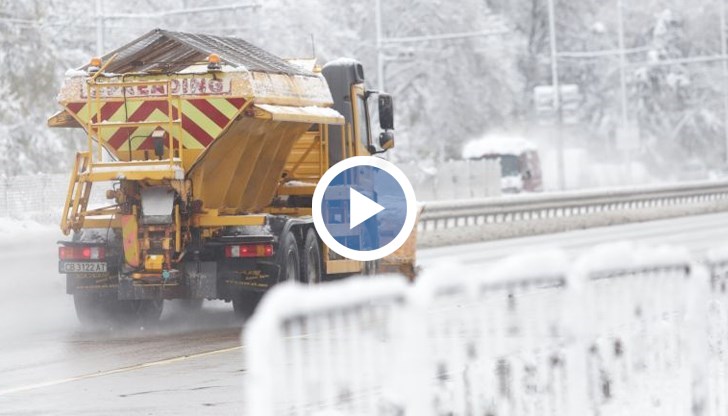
x=10, y=227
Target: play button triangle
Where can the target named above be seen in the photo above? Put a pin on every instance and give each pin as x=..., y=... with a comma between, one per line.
x=361, y=208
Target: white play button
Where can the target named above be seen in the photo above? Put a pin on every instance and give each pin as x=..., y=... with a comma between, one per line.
x=355, y=224
x=361, y=208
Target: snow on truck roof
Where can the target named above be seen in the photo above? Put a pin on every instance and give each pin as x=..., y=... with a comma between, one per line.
x=246, y=72
x=169, y=52
x=497, y=145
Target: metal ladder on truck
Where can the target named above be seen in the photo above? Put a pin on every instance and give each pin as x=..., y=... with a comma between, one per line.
x=88, y=169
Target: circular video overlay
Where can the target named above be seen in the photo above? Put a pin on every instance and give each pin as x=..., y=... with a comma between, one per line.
x=364, y=208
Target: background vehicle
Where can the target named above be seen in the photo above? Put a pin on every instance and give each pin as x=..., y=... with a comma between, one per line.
x=215, y=149
x=520, y=163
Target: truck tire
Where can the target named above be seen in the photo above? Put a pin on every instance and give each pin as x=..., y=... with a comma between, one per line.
x=311, y=261
x=289, y=258
x=104, y=311
x=93, y=311
x=245, y=303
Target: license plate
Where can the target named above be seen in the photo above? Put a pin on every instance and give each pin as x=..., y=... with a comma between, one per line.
x=83, y=267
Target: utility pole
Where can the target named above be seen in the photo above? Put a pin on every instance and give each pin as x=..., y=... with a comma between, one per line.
x=380, y=50
x=723, y=53
x=99, y=28
x=557, y=97
x=622, y=64
x=626, y=128
x=382, y=42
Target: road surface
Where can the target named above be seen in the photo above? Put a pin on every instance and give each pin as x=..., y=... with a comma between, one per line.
x=193, y=363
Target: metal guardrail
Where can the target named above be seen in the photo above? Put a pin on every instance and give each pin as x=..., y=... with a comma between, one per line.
x=440, y=215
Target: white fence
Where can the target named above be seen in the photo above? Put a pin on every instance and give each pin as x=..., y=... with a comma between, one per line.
x=455, y=179
x=39, y=197
x=342, y=350
x=622, y=331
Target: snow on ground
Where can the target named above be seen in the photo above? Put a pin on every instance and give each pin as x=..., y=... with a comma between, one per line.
x=11, y=228
x=32, y=292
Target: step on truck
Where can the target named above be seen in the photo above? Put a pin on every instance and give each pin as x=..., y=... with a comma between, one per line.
x=209, y=150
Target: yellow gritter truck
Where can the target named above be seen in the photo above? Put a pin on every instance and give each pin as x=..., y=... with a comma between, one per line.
x=210, y=149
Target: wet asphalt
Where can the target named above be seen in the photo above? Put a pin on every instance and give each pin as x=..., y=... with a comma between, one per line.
x=189, y=363
x=193, y=363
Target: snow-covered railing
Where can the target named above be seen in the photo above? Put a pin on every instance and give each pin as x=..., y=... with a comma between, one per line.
x=444, y=215
x=332, y=346
x=623, y=330
x=492, y=341
x=640, y=331
x=717, y=328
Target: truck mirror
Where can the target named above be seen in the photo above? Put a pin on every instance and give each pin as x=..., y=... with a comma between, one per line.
x=386, y=112
x=386, y=139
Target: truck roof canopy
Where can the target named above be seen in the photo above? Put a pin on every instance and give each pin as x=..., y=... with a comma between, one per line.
x=169, y=52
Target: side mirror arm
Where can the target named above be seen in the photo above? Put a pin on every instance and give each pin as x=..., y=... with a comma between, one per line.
x=373, y=150
x=369, y=93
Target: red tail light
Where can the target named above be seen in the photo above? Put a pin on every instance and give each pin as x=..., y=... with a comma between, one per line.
x=81, y=253
x=249, y=250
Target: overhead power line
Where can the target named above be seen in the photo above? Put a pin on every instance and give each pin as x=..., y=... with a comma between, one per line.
x=446, y=36
x=601, y=53
x=156, y=15
x=681, y=61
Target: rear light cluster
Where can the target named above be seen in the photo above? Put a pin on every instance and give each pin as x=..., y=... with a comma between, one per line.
x=249, y=250
x=81, y=253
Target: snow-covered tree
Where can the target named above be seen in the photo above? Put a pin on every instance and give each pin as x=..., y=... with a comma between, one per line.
x=678, y=109
x=446, y=91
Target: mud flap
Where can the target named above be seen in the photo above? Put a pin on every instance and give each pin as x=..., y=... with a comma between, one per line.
x=201, y=279
x=403, y=260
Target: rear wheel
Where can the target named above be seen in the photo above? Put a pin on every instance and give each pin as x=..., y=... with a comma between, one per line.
x=105, y=311
x=93, y=310
x=311, y=267
x=289, y=258
x=245, y=303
